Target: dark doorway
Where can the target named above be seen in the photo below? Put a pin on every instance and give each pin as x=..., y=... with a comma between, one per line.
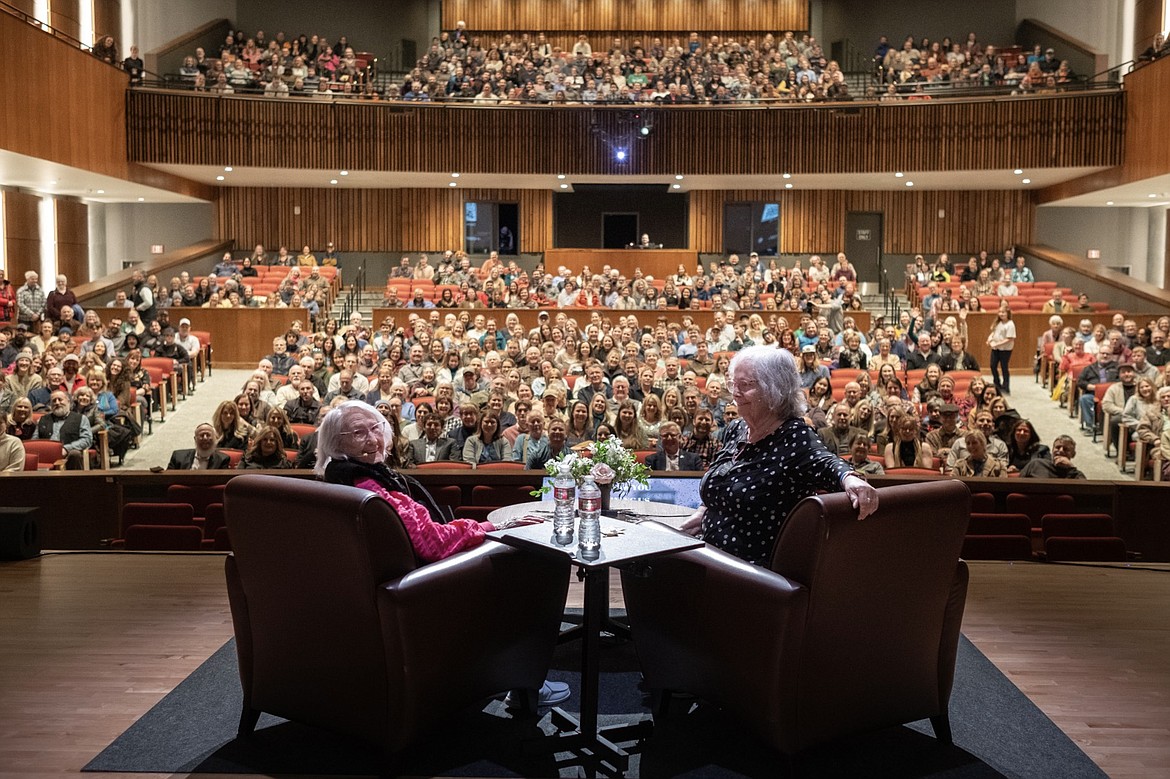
x=508, y=216
x=863, y=243
x=618, y=230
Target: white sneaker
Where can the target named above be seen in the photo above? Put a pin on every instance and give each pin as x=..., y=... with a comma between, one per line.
x=550, y=694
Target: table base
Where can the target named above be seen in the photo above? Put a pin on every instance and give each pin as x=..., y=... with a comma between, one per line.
x=595, y=752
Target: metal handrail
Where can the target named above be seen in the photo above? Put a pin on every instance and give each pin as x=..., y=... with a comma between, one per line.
x=956, y=92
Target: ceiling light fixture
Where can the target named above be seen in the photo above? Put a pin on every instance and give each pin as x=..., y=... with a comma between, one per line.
x=1026, y=181
x=332, y=181
x=1018, y=171
x=1108, y=202
x=678, y=177
x=561, y=176
x=228, y=169
x=564, y=186
x=454, y=175
x=909, y=183
x=788, y=186
x=676, y=186
x=141, y=200
x=452, y=184
x=101, y=192
x=787, y=175
x=345, y=172
x=899, y=175
x=219, y=178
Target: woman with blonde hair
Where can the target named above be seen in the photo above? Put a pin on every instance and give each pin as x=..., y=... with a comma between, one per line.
x=906, y=449
x=231, y=431
x=628, y=429
x=266, y=450
x=650, y=415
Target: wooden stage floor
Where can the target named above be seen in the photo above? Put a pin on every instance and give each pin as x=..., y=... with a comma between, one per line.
x=89, y=642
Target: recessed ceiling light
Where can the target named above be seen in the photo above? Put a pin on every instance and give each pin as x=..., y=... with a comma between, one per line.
x=899, y=175
x=332, y=181
x=141, y=200
x=676, y=186
x=788, y=186
x=909, y=183
x=561, y=176
x=1108, y=202
x=345, y=172
x=1018, y=171
x=228, y=169
x=1152, y=194
x=452, y=184
x=454, y=175
x=678, y=177
x=101, y=192
x=564, y=186
x=219, y=178
x=787, y=175
x=1026, y=181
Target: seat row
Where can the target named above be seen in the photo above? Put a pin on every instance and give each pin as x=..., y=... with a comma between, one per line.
x=1040, y=527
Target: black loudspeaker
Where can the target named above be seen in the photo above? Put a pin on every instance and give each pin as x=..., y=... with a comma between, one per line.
x=20, y=536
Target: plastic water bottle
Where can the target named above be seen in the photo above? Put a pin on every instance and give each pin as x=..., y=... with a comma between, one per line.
x=565, y=499
x=589, y=511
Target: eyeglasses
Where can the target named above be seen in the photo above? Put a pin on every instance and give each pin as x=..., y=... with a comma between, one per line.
x=364, y=432
x=742, y=386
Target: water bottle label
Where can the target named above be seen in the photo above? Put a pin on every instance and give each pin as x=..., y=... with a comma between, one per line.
x=589, y=505
x=562, y=493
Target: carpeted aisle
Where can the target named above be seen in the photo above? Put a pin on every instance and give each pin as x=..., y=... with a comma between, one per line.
x=997, y=731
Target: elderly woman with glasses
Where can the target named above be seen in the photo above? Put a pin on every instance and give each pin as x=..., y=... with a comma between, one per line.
x=770, y=460
x=355, y=447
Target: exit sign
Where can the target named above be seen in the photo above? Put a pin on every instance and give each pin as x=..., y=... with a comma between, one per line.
x=157, y=248
x=1093, y=254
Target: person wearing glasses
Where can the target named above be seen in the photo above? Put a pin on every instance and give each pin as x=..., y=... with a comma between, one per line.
x=355, y=448
x=770, y=460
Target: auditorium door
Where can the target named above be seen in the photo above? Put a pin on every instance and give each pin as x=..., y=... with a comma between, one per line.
x=863, y=243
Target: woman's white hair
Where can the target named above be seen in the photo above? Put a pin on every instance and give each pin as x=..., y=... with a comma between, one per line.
x=338, y=422
x=778, y=378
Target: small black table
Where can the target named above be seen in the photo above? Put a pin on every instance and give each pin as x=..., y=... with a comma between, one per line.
x=622, y=543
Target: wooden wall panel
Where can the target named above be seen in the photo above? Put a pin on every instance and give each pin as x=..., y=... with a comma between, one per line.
x=814, y=220
x=603, y=41
x=73, y=113
x=371, y=219
x=107, y=20
x=1050, y=131
x=1147, y=121
x=64, y=16
x=22, y=234
x=73, y=240
x=574, y=15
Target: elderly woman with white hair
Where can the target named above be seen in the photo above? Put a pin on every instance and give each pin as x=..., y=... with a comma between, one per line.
x=770, y=460
x=354, y=444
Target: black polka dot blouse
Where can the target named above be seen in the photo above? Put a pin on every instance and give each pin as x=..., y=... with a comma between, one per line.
x=750, y=489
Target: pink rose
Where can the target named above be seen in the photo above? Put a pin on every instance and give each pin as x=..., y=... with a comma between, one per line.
x=602, y=473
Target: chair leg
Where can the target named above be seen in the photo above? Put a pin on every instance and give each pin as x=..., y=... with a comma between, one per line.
x=660, y=704
x=942, y=728
x=248, y=719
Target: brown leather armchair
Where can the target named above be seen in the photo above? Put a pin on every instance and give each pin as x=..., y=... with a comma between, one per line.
x=854, y=627
x=337, y=625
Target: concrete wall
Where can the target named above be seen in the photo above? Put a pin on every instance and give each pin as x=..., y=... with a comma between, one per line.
x=1124, y=236
x=862, y=21
x=150, y=23
x=125, y=231
x=1106, y=25
x=377, y=27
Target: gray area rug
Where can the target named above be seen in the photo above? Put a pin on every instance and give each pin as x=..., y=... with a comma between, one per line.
x=998, y=732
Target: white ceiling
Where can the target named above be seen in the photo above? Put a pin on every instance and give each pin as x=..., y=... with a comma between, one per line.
x=356, y=179
x=17, y=170
x=50, y=178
